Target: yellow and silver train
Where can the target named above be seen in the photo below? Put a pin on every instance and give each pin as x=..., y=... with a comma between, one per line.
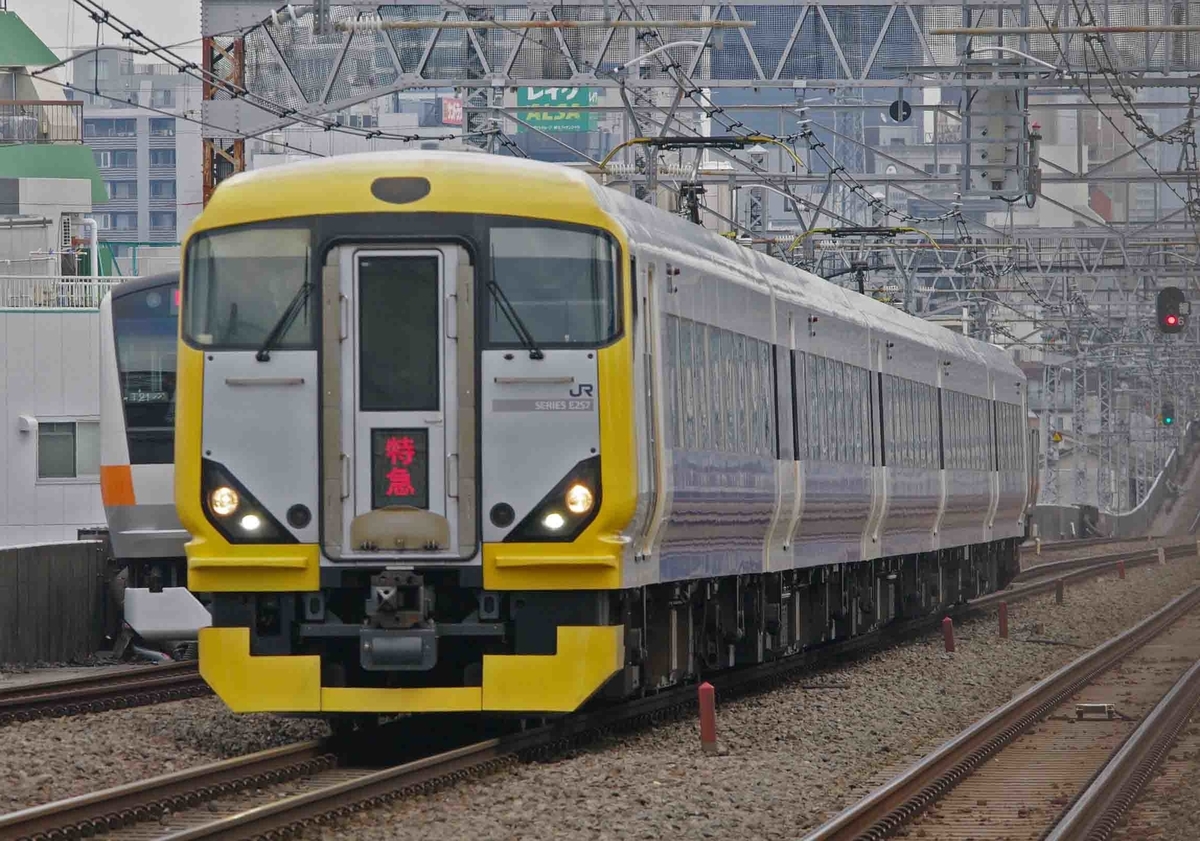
x=464, y=433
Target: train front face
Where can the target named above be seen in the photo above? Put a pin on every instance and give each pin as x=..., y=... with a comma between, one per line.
x=404, y=437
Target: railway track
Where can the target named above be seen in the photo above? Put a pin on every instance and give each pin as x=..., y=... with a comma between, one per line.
x=263, y=795
x=132, y=687
x=1098, y=564
x=1062, y=760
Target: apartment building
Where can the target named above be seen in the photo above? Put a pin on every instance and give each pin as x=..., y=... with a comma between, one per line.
x=150, y=160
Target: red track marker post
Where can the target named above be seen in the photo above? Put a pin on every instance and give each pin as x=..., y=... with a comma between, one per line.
x=708, y=718
x=1058, y=591
x=1003, y=620
x=1121, y=570
x=948, y=633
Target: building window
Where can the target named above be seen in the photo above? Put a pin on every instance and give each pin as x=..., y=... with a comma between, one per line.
x=117, y=221
x=163, y=98
x=162, y=157
x=110, y=128
x=121, y=189
x=116, y=159
x=162, y=127
x=162, y=221
x=68, y=449
x=162, y=189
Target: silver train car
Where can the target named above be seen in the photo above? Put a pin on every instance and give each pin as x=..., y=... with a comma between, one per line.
x=138, y=329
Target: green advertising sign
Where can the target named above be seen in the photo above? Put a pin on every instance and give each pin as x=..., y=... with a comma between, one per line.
x=556, y=108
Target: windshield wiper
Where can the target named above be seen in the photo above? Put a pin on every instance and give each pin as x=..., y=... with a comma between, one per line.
x=283, y=324
x=514, y=321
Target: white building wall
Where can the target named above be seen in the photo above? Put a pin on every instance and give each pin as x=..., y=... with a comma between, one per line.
x=50, y=371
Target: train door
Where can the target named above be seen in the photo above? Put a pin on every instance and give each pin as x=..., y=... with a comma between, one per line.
x=400, y=421
x=647, y=337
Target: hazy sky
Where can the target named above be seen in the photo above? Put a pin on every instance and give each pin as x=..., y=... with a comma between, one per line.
x=61, y=24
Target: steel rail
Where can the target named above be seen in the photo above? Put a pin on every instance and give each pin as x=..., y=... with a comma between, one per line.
x=141, y=801
x=1097, y=811
x=891, y=807
x=135, y=802
x=1101, y=563
x=95, y=693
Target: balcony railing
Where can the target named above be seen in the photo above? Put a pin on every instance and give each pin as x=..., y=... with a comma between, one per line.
x=39, y=293
x=40, y=121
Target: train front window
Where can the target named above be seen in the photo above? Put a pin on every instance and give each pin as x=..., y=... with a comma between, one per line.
x=562, y=284
x=240, y=283
x=145, y=324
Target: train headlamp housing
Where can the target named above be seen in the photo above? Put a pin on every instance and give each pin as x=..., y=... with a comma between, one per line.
x=566, y=510
x=233, y=510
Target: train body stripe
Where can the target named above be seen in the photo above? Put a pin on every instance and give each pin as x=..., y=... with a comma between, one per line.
x=116, y=485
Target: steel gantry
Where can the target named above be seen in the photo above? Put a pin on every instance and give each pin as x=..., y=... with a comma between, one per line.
x=1021, y=170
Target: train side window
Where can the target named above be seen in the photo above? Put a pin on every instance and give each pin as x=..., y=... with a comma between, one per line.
x=889, y=422
x=729, y=389
x=799, y=405
x=926, y=428
x=833, y=409
x=740, y=421
x=769, y=446
x=700, y=371
x=671, y=375
x=817, y=403
x=754, y=396
x=864, y=386
x=930, y=424
x=837, y=424
x=688, y=438
x=716, y=368
x=849, y=413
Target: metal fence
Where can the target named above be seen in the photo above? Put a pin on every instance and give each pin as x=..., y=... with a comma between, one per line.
x=38, y=121
x=53, y=604
x=29, y=292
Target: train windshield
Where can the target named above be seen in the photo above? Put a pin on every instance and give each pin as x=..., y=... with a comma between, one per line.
x=561, y=282
x=241, y=281
x=145, y=324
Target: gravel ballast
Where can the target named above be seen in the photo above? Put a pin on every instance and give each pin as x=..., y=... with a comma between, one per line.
x=790, y=758
x=49, y=759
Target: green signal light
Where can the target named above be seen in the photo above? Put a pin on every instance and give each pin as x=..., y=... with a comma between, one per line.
x=1168, y=420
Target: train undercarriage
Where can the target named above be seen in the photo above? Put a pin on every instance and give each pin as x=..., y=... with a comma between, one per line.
x=430, y=632
x=680, y=631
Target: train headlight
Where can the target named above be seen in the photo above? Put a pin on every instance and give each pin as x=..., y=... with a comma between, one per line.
x=223, y=501
x=234, y=511
x=580, y=499
x=566, y=509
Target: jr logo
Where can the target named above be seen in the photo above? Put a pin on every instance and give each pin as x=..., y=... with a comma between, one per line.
x=581, y=390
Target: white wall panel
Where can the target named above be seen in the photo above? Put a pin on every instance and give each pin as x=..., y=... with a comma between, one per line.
x=50, y=370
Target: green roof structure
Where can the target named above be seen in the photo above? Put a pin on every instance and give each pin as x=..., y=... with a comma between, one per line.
x=53, y=160
x=19, y=46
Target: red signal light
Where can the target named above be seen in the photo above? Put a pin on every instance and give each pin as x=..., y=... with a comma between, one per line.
x=1172, y=321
